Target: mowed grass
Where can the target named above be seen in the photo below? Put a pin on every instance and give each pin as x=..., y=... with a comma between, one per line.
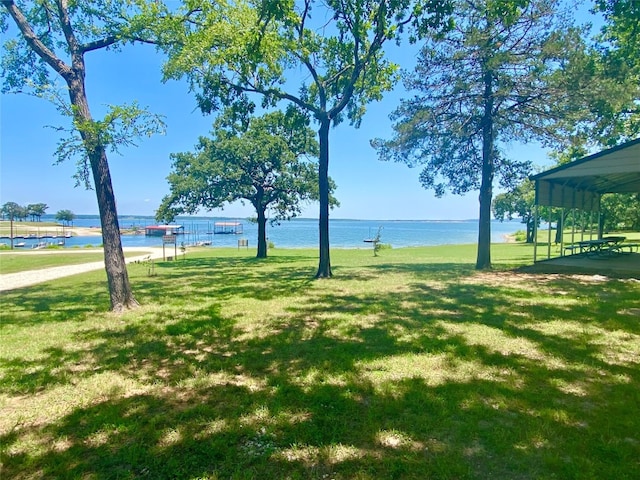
x=37, y=260
x=408, y=365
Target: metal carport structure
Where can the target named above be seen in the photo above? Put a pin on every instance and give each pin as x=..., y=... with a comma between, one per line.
x=581, y=184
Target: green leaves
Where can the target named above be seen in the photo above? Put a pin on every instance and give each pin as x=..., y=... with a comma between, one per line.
x=265, y=160
x=496, y=67
x=121, y=127
x=56, y=38
x=229, y=50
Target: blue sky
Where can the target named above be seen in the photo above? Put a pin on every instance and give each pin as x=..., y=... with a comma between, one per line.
x=367, y=187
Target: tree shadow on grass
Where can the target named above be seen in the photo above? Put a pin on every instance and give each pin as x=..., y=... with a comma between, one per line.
x=405, y=429
x=445, y=379
x=223, y=277
x=58, y=301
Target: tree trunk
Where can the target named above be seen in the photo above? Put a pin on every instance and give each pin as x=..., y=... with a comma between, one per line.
x=483, y=260
x=262, y=233
x=120, y=293
x=530, y=230
x=601, y=224
x=117, y=277
x=324, y=266
x=559, y=227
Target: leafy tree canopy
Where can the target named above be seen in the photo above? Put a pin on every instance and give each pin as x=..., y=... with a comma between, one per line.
x=65, y=216
x=518, y=202
x=487, y=82
x=59, y=34
x=621, y=211
x=54, y=36
x=13, y=211
x=325, y=57
x=517, y=45
x=265, y=160
x=230, y=49
x=603, y=81
x=621, y=30
x=36, y=210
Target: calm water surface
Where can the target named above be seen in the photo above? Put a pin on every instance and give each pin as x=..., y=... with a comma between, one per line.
x=303, y=233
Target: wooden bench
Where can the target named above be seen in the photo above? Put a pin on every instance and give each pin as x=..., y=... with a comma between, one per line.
x=243, y=242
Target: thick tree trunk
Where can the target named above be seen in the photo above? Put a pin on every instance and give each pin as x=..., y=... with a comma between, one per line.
x=483, y=260
x=120, y=293
x=118, y=279
x=262, y=233
x=324, y=266
x=530, y=230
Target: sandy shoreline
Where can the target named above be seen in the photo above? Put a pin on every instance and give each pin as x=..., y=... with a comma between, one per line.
x=97, y=231
x=84, y=231
x=21, y=231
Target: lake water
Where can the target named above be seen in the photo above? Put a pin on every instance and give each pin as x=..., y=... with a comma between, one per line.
x=303, y=233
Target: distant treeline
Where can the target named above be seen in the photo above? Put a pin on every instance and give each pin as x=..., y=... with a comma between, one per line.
x=33, y=212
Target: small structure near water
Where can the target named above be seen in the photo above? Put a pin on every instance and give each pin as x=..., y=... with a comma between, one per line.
x=161, y=230
x=228, y=228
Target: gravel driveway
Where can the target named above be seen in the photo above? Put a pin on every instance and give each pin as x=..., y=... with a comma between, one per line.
x=12, y=281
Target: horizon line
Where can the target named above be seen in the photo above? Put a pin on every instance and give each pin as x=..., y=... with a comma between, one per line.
x=295, y=218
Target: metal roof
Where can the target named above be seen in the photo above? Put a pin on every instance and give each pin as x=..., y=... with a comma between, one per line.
x=580, y=184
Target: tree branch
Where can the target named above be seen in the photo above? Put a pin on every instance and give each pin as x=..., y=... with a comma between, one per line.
x=98, y=44
x=77, y=60
x=34, y=42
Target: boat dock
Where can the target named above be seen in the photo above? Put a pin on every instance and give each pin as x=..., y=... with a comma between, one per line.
x=228, y=228
x=36, y=236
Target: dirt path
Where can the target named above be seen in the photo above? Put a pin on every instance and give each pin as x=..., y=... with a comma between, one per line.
x=12, y=281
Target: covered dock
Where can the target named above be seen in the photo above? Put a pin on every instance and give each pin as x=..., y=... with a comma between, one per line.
x=161, y=230
x=228, y=228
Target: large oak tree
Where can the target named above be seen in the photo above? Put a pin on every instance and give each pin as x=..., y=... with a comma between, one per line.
x=55, y=36
x=325, y=57
x=485, y=83
x=267, y=161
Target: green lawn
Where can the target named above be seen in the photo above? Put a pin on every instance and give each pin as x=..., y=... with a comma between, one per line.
x=409, y=365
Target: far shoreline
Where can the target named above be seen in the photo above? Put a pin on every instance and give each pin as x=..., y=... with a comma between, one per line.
x=54, y=230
